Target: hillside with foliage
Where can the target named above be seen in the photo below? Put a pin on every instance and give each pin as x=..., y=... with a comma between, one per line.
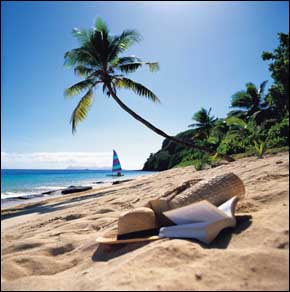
x=258, y=123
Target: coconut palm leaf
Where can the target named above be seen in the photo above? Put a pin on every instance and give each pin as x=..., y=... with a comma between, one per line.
x=241, y=99
x=121, y=43
x=78, y=87
x=136, y=88
x=132, y=67
x=237, y=113
x=126, y=60
x=82, y=35
x=81, y=56
x=236, y=122
x=249, y=101
x=101, y=26
x=252, y=90
x=83, y=71
x=153, y=66
x=127, y=39
x=80, y=112
x=262, y=87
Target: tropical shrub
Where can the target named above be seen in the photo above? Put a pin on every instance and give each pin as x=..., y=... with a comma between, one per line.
x=232, y=144
x=278, y=134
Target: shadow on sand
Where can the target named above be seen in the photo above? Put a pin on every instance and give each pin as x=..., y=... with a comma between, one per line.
x=223, y=239
x=106, y=252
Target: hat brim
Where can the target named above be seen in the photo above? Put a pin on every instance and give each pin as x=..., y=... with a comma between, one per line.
x=114, y=240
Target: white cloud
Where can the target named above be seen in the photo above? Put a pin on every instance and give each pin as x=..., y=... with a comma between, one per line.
x=56, y=159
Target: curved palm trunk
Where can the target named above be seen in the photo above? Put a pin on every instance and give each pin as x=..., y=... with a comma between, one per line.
x=153, y=128
x=146, y=123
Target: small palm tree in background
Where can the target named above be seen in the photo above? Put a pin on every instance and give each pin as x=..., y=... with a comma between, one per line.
x=99, y=61
x=249, y=101
x=204, y=122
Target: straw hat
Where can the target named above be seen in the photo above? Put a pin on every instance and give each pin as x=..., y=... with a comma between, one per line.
x=136, y=225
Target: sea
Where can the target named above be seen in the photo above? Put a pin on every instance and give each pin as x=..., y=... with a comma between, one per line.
x=25, y=183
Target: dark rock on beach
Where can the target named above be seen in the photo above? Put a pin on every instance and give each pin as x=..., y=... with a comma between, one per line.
x=75, y=189
x=120, y=181
x=50, y=192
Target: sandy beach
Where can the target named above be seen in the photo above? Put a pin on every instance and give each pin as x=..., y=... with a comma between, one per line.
x=51, y=245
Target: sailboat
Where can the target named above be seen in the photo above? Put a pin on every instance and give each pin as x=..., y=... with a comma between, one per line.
x=116, y=169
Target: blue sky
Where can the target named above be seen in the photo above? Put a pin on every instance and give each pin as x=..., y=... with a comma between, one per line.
x=207, y=51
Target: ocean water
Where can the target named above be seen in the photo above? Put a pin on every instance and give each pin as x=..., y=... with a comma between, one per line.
x=26, y=182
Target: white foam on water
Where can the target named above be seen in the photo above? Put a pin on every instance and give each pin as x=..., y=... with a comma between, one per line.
x=8, y=195
x=30, y=193
x=49, y=188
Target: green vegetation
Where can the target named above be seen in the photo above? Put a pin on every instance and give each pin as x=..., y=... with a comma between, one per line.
x=257, y=125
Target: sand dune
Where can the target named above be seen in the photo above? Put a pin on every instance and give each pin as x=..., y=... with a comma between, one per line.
x=51, y=245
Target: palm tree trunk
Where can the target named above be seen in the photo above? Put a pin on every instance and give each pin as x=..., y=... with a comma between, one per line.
x=153, y=128
x=146, y=123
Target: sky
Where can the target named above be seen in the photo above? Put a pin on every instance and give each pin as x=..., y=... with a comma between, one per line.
x=207, y=51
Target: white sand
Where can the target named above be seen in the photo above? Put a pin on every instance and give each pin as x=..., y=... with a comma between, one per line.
x=51, y=245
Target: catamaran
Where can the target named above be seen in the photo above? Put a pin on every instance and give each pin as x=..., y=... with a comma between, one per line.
x=116, y=169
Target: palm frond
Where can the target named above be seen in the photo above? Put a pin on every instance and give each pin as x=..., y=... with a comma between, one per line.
x=262, y=87
x=192, y=125
x=128, y=38
x=153, y=66
x=124, y=60
x=202, y=116
x=133, y=66
x=130, y=68
x=237, y=113
x=129, y=59
x=119, y=44
x=78, y=87
x=252, y=90
x=80, y=112
x=80, y=56
x=83, y=71
x=101, y=26
x=82, y=35
x=136, y=88
x=241, y=99
x=234, y=121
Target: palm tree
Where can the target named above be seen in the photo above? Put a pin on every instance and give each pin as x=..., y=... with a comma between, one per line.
x=204, y=122
x=98, y=60
x=249, y=101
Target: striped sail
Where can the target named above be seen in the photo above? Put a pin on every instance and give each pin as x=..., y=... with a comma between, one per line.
x=116, y=163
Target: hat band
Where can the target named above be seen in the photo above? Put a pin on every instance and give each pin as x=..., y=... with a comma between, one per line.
x=139, y=234
x=148, y=232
